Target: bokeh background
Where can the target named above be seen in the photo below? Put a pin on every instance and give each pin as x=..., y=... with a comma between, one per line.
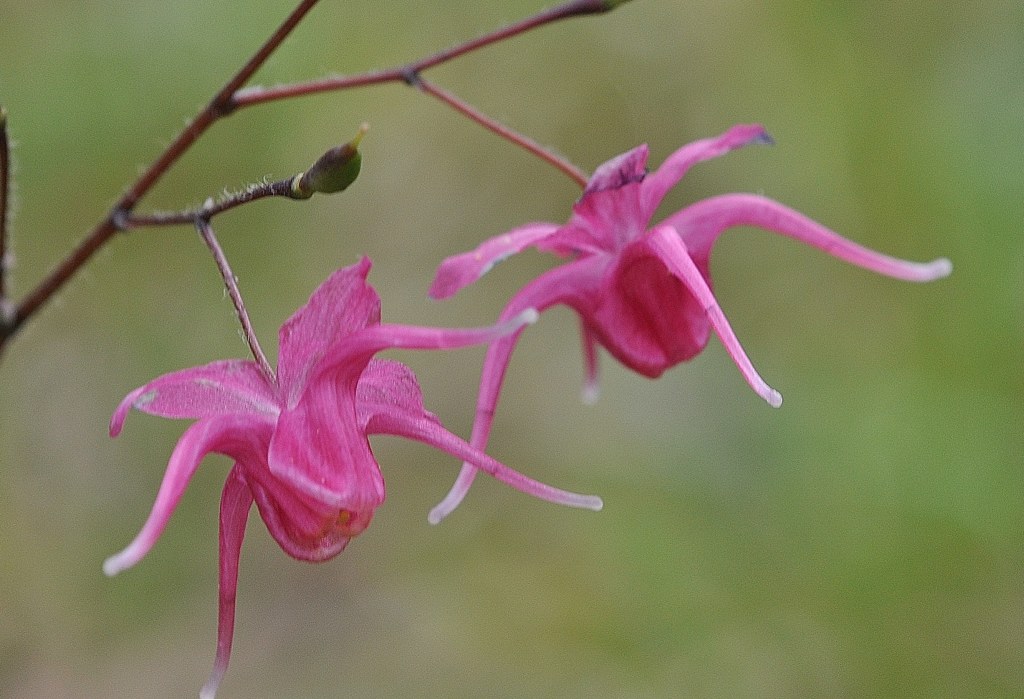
x=865, y=540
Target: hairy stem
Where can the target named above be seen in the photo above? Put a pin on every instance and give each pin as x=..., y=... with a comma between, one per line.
x=279, y=188
x=206, y=232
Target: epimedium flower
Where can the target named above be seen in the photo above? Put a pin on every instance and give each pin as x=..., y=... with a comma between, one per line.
x=642, y=292
x=299, y=439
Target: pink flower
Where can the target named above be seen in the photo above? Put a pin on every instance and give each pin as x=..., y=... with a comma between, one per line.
x=299, y=440
x=641, y=292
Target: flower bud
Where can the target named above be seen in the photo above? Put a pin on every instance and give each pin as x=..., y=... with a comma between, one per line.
x=333, y=172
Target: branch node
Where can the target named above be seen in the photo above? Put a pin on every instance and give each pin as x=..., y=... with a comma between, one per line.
x=225, y=107
x=411, y=77
x=120, y=218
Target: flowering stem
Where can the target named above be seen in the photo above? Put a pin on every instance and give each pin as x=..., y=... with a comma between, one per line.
x=233, y=96
x=410, y=74
x=280, y=188
x=220, y=106
x=574, y=173
x=206, y=232
x=406, y=73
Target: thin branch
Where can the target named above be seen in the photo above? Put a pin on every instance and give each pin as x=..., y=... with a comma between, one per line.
x=206, y=231
x=233, y=96
x=5, y=187
x=219, y=106
x=279, y=188
x=575, y=8
x=332, y=172
x=574, y=173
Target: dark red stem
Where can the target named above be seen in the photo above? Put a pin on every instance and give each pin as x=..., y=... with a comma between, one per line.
x=577, y=175
x=408, y=72
x=5, y=187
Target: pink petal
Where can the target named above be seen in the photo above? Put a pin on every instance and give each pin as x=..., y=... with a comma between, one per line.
x=231, y=386
x=665, y=243
x=320, y=450
x=573, y=284
x=462, y=270
x=235, y=503
x=242, y=437
x=701, y=223
x=627, y=168
x=591, y=386
x=645, y=316
x=657, y=184
x=387, y=386
x=349, y=358
x=343, y=304
x=610, y=213
x=428, y=429
x=305, y=529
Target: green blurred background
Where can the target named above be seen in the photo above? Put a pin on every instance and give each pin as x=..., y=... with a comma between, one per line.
x=863, y=541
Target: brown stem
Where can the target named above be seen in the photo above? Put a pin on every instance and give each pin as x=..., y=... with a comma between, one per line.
x=408, y=72
x=206, y=231
x=280, y=188
x=5, y=186
x=220, y=106
x=574, y=173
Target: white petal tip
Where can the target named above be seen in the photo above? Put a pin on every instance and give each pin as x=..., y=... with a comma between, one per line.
x=940, y=268
x=442, y=510
x=590, y=394
x=528, y=317
x=774, y=398
x=209, y=690
x=596, y=504
x=112, y=566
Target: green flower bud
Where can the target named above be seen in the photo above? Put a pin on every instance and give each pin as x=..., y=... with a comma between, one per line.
x=333, y=172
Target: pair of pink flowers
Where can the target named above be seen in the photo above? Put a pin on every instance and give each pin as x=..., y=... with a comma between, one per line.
x=299, y=439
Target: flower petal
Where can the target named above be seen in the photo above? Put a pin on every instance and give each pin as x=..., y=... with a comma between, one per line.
x=232, y=386
x=701, y=223
x=628, y=168
x=242, y=437
x=657, y=184
x=591, y=385
x=461, y=270
x=610, y=213
x=429, y=430
x=320, y=450
x=342, y=305
x=235, y=503
x=304, y=528
x=665, y=242
x=348, y=359
x=387, y=386
x=574, y=284
x=645, y=316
